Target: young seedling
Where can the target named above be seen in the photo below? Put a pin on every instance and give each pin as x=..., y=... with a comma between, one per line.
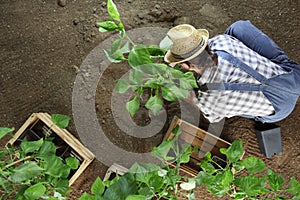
x=148, y=71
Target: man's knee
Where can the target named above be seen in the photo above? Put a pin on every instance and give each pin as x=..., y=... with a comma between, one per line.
x=237, y=27
x=240, y=24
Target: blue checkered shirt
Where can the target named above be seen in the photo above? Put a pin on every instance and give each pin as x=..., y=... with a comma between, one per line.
x=217, y=105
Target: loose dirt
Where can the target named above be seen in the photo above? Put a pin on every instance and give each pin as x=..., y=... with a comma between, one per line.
x=43, y=44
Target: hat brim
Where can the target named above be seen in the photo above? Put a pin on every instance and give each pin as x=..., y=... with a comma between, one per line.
x=170, y=59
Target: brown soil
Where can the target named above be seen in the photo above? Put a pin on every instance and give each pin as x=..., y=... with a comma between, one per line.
x=43, y=45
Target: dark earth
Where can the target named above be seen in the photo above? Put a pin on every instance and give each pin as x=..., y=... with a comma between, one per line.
x=43, y=44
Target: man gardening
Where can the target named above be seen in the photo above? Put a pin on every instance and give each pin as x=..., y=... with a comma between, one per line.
x=239, y=73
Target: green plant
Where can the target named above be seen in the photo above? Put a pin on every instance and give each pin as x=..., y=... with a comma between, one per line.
x=150, y=181
x=33, y=171
x=147, y=68
x=244, y=178
x=239, y=179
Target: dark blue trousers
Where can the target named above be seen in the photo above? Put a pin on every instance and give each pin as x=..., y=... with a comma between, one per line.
x=259, y=42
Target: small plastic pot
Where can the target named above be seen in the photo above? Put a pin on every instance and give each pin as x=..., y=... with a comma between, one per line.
x=269, y=139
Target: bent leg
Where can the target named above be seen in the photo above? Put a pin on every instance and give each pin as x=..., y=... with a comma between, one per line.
x=256, y=40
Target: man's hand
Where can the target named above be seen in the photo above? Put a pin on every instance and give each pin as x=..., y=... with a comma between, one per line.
x=189, y=67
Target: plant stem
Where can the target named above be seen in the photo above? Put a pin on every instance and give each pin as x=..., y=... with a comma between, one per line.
x=129, y=39
x=17, y=161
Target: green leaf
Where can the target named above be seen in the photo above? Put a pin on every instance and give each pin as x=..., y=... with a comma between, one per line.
x=221, y=184
x=98, y=187
x=135, y=77
x=179, y=93
x=35, y=191
x=207, y=157
x=124, y=187
x=175, y=73
x=48, y=148
x=227, y=178
x=3, y=182
x=235, y=151
x=86, y=196
x=135, y=197
x=188, y=185
x=223, y=151
x=168, y=95
x=184, y=157
x=72, y=162
x=204, y=178
x=190, y=78
x=253, y=164
x=162, y=150
x=112, y=10
x=139, y=55
x=141, y=168
x=208, y=167
x=185, y=84
x=31, y=146
x=276, y=181
x=61, y=186
x=154, y=104
x=294, y=187
x=25, y=172
x=218, y=189
x=195, y=149
x=121, y=27
x=107, y=26
x=4, y=131
x=60, y=120
x=252, y=185
x=133, y=106
x=55, y=167
x=177, y=130
x=190, y=196
x=116, y=57
x=116, y=45
x=146, y=173
x=125, y=48
x=155, y=51
x=238, y=166
x=162, y=172
x=20, y=194
x=121, y=86
x=146, y=191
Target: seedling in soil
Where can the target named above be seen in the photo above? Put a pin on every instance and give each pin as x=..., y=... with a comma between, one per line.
x=149, y=73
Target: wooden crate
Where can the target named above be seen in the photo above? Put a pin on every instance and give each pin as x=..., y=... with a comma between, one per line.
x=40, y=125
x=205, y=141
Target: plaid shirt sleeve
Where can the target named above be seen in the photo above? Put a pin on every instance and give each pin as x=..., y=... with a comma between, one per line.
x=217, y=105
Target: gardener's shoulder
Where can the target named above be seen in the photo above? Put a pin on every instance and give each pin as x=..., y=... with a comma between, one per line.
x=223, y=38
x=225, y=42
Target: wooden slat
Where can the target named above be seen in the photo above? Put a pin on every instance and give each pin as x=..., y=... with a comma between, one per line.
x=202, y=144
x=185, y=169
x=176, y=121
x=27, y=123
x=205, y=141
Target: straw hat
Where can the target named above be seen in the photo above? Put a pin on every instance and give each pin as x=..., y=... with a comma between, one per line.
x=188, y=43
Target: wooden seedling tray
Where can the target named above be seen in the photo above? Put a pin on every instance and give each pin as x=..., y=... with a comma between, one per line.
x=40, y=125
x=205, y=141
